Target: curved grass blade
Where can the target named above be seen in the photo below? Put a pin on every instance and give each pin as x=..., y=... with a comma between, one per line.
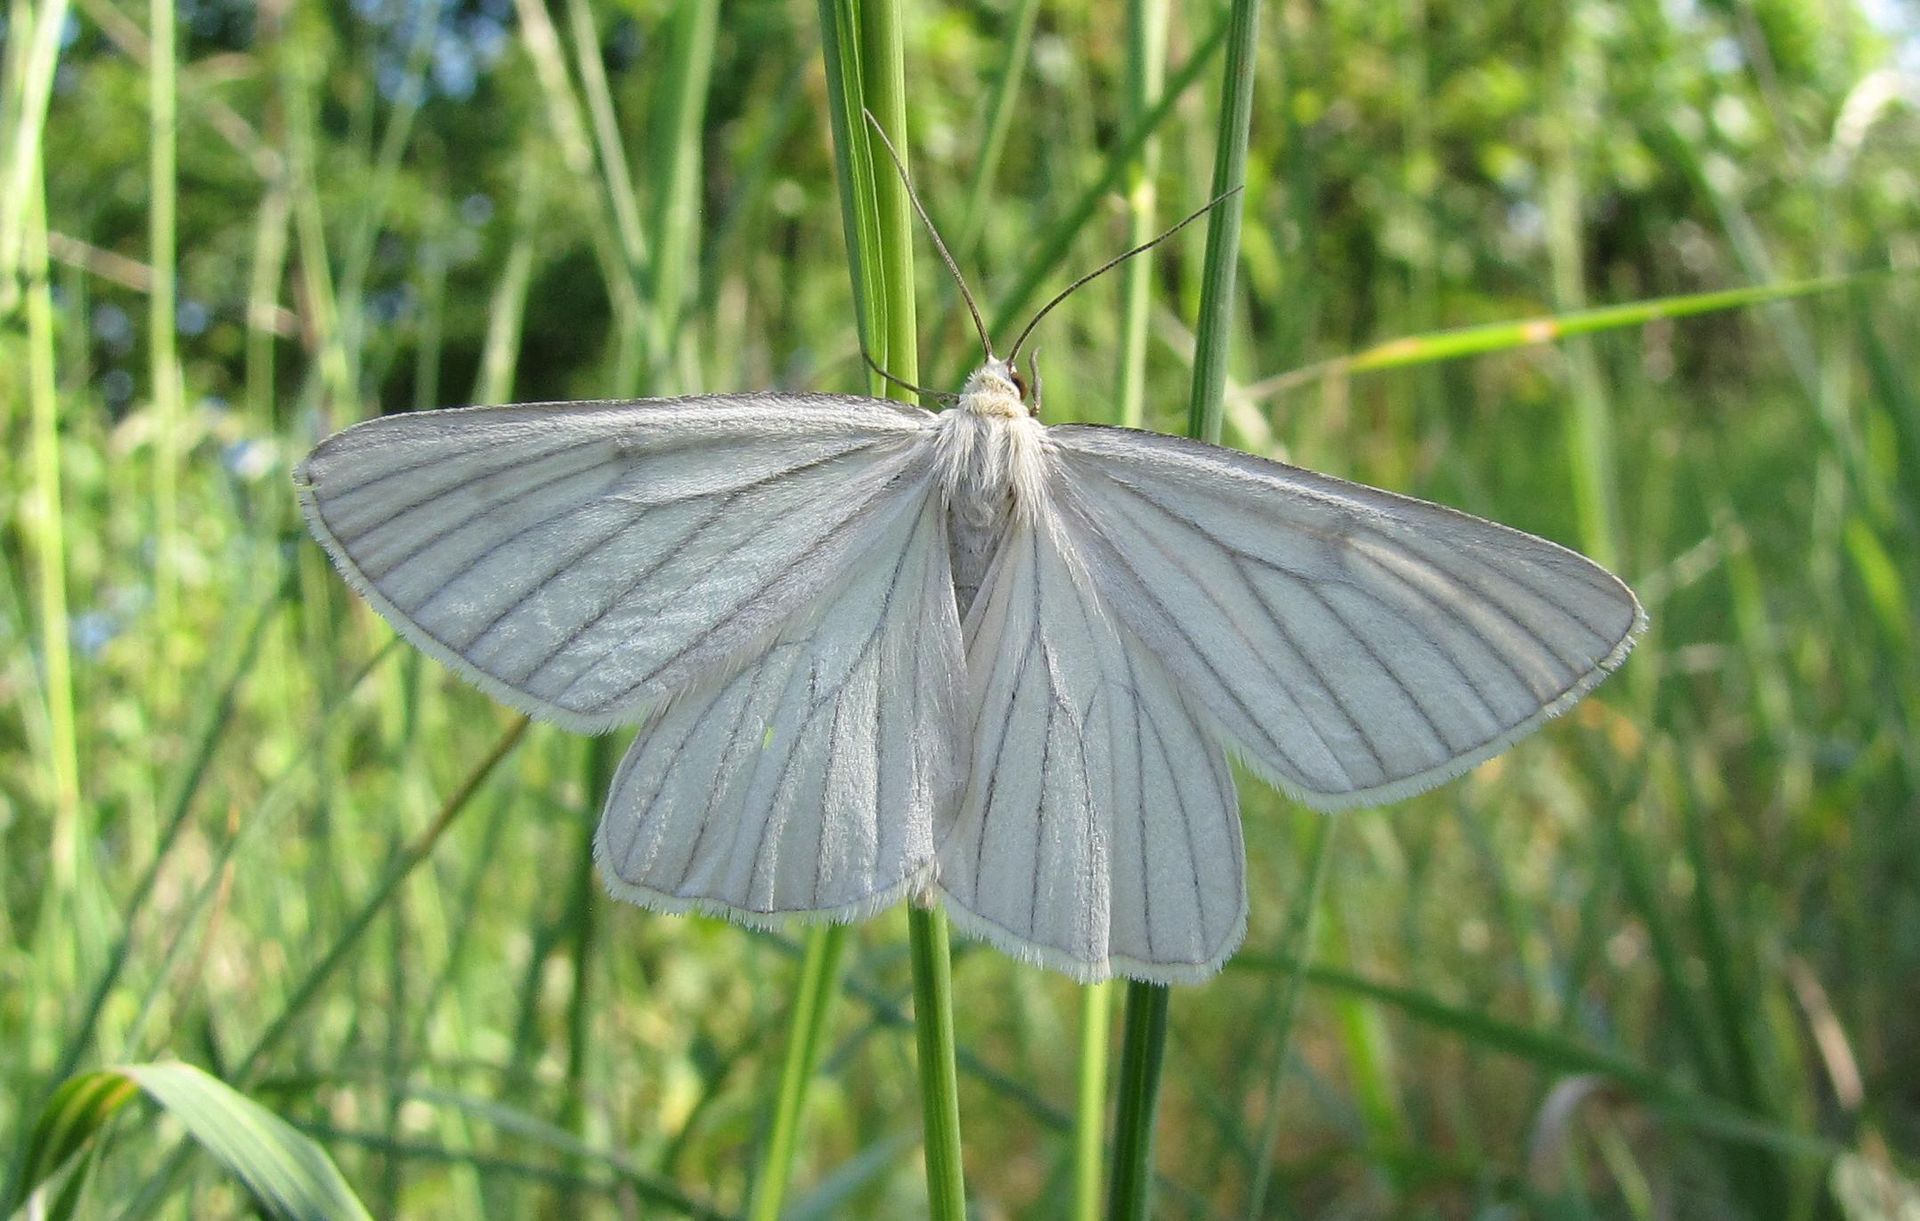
x=287, y=1174
x=1527, y=332
x=1552, y=1053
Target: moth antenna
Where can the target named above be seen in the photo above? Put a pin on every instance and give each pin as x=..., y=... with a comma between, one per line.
x=873, y=364
x=979, y=325
x=1114, y=262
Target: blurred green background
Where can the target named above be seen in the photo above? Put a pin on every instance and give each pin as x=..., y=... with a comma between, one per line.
x=1661, y=960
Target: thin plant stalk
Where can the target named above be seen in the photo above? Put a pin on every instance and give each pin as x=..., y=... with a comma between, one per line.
x=619, y=243
x=1000, y=114
x=819, y=983
x=55, y=634
x=397, y=871
x=884, y=88
x=1299, y=943
x=1146, y=76
x=1457, y=343
x=270, y=233
x=332, y=371
x=1143, y=1047
x=1144, y=1042
x=165, y=362
x=1059, y=240
x=677, y=224
x=1214, y=332
x=606, y=133
x=69, y=874
x=861, y=42
x=36, y=55
x=1590, y=435
x=500, y=358
x=839, y=25
x=1090, y=1111
x=939, y=1077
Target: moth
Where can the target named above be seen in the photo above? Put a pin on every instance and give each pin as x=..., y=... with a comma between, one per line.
x=878, y=653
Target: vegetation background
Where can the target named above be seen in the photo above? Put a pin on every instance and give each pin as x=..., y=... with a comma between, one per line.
x=1661, y=960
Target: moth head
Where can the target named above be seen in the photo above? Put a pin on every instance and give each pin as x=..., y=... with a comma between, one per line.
x=997, y=388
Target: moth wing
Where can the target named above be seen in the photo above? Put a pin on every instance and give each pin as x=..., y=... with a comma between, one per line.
x=1355, y=646
x=806, y=783
x=582, y=561
x=1099, y=832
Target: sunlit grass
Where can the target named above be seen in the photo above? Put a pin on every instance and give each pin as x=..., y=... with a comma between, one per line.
x=1655, y=961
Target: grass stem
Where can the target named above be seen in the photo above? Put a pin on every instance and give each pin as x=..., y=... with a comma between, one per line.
x=939, y=1079
x=1299, y=943
x=161, y=340
x=819, y=983
x=1146, y=1021
x=884, y=89
x=1090, y=1112
x=1129, y=1192
x=1147, y=22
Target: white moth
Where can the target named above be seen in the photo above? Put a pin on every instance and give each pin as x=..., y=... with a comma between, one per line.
x=878, y=653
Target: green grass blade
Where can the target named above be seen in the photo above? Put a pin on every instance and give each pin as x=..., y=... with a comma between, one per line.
x=162, y=333
x=606, y=133
x=1460, y=342
x=397, y=872
x=1299, y=940
x=69, y=1120
x=1000, y=115
x=507, y=314
x=853, y=168
x=1572, y=64
x=215, y=717
x=1059, y=238
x=1552, y=1053
x=883, y=86
x=288, y=1175
x=1146, y=73
x=1214, y=331
x=683, y=108
x=72, y=830
x=34, y=53
x=619, y=247
x=1147, y=22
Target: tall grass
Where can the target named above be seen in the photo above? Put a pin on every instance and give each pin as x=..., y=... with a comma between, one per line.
x=1655, y=961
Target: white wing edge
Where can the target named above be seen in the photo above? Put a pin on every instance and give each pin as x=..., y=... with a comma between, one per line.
x=1459, y=765
x=1014, y=946
x=403, y=625
x=915, y=885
